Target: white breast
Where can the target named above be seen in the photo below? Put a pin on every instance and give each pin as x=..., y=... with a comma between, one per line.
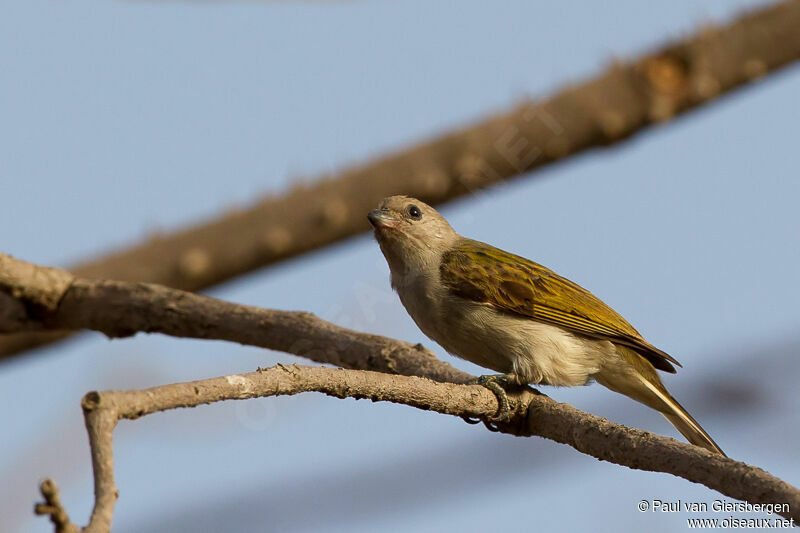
x=534, y=351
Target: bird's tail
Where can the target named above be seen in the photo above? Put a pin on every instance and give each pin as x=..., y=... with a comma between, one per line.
x=639, y=380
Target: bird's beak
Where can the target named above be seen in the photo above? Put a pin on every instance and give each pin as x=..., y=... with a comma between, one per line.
x=382, y=218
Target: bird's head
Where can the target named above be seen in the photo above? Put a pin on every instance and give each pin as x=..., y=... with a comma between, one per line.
x=412, y=235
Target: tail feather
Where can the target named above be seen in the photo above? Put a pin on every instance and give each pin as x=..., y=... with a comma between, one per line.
x=681, y=419
x=639, y=380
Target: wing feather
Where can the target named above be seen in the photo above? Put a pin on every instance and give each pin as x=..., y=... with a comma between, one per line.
x=513, y=284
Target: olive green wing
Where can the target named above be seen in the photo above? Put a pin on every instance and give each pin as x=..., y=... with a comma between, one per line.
x=513, y=284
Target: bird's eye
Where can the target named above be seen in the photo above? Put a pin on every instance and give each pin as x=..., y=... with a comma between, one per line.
x=414, y=212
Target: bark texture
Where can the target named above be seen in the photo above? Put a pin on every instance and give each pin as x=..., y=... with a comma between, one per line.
x=626, y=98
x=42, y=297
x=534, y=414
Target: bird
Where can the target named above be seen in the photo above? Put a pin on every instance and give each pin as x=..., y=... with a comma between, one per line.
x=516, y=317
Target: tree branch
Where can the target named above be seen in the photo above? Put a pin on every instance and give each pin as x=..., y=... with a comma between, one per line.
x=619, y=102
x=122, y=308
x=534, y=414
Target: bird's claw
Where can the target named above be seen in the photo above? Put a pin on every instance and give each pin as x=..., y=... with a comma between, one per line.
x=495, y=383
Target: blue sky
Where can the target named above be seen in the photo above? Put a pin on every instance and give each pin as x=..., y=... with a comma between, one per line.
x=121, y=119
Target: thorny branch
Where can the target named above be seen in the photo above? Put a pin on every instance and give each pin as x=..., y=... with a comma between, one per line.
x=621, y=101
x=34, y=297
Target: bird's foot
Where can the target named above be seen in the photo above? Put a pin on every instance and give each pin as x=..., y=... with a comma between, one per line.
x=496, y=384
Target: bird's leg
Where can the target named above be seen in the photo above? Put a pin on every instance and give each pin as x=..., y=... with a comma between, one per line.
x=497, y=383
